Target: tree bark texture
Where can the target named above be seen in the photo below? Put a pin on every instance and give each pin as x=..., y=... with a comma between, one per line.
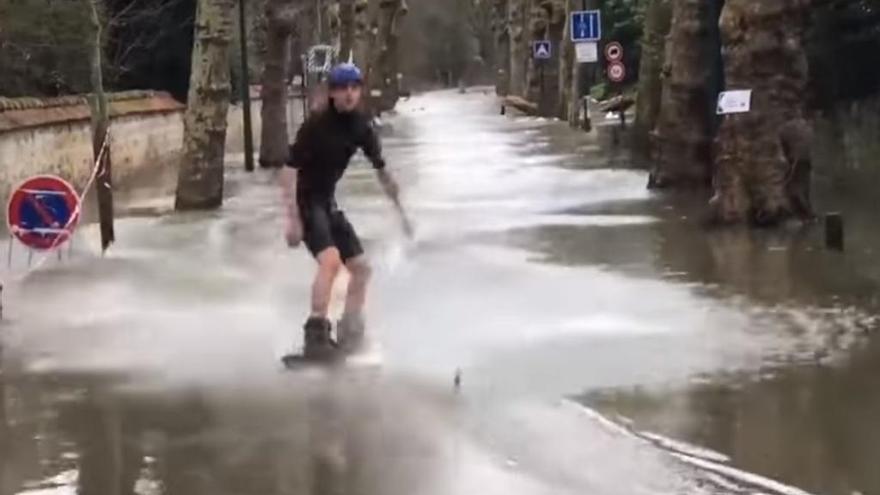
x=566, y=68
x=346, y=29
x=519, y=49
x=200, y=181
x=762, y=157
x=546, y=22
x=502, y=47
x=383, y=70
x=683, y=135
x=100, y=111
x=280, y=19
x=364, y=31
x=658, y=15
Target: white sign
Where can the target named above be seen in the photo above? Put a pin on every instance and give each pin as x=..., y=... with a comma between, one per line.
x=737, y=101
x=587, y=52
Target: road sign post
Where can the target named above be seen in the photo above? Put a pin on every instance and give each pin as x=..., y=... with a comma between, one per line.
x=616, y=72
x=542, y=51
x=43, y=212
x=586, y=25
x=614, y=52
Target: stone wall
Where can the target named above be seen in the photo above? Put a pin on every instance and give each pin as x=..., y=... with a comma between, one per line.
x=53, y=136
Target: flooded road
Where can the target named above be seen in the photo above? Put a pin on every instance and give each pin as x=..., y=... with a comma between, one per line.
x=607, y=343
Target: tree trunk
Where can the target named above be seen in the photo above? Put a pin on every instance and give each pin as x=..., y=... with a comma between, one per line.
x=658, y=15
x=200, y=182
x=684, y=128
x=363, y=32
x=346, y=29
x=566, y=69
x=555, y=30
x=502, y=47
x=385, y=65
x=519, y=50
x=100, y=111
x=280, y=17
x=762, y=156
x=546, y=22
x=536, y=29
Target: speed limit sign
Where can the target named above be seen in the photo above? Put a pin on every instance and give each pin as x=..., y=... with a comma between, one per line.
x=616, y=72
x=614, y=52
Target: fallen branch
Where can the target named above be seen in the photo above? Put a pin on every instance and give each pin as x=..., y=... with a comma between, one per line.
x=521, y=104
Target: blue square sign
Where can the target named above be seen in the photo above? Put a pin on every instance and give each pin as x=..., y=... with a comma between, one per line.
x=542, y=50
x=586, y=25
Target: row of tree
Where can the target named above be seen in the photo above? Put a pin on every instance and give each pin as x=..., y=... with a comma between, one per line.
x=190, y=43
x=364, y=31
x=680, y=54
x=556, y=86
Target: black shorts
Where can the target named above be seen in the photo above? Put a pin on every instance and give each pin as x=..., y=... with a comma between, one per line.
x=325, y=226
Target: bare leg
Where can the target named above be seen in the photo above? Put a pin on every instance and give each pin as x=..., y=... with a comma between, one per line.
x=357, y=287
x=329, y=264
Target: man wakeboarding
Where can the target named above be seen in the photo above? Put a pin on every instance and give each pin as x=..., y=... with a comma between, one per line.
x=324, y=146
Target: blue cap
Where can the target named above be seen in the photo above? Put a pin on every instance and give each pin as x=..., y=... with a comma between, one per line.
x=345, y=74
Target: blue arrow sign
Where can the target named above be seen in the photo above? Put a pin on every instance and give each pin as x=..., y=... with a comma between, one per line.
x=542, y=50
x=586, y=25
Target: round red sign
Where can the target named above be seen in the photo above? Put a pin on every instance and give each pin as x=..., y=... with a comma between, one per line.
x=614, y=51
x=616, y=72
x=43, y=212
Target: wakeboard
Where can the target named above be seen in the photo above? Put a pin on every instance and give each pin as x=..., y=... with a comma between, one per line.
x=369, y=358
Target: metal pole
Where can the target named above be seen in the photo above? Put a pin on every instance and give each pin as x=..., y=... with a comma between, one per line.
x=582, y=82
x=305, y=87
x=245, y=92
x=542, y=105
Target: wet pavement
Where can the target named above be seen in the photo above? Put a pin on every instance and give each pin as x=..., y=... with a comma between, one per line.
x=607, y=342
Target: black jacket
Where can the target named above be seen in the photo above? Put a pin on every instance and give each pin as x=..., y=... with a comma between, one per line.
x=323, y=148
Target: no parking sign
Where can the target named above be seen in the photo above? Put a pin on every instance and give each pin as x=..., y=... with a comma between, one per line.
x=43, y=212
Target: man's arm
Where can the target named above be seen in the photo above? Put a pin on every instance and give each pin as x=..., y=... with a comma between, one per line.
x=297, y=155
x=292, y=224
x=373, y=150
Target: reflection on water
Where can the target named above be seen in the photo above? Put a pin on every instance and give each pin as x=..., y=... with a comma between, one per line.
x=808, y=419
x=813, y=426
x=333, y=436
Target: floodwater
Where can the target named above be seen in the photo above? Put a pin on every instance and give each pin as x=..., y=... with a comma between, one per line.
x=606, y=343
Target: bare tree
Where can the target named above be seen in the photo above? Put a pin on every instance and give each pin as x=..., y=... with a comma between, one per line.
x=566, y=107
x=763, y=156
x=100, y=125
x=384, y=64
x=517, y=16
x=656, y=27
x=280, y=19
x=502, y=47
x=200, y=181
x=684, y=129
x=346, y=28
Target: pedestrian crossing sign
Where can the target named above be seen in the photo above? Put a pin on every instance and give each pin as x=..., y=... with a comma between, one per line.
x=542, y=50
